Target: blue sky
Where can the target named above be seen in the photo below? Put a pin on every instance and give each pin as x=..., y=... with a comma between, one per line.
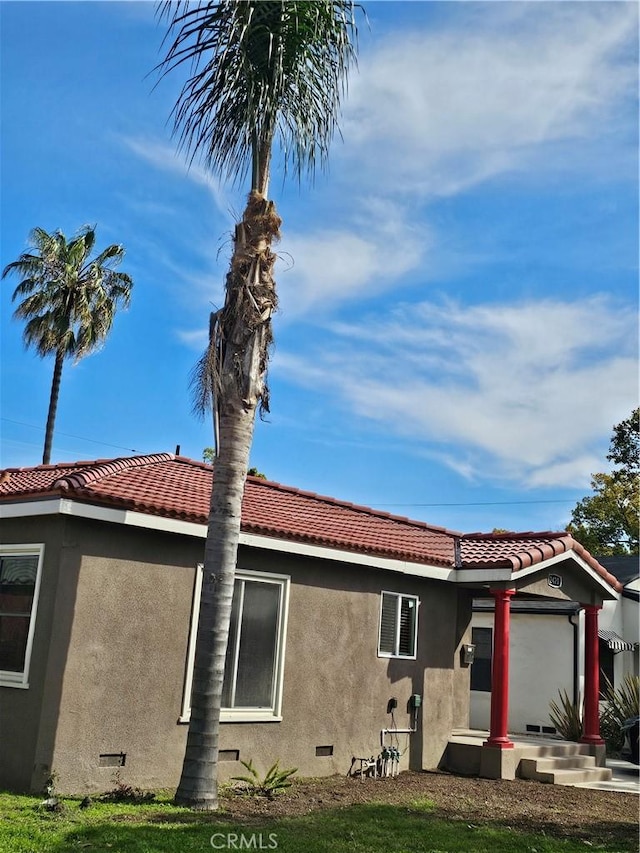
x=457, y=332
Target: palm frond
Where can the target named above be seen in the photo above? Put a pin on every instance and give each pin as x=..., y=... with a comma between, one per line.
x=204, y=380
x=260, y=70
x=67, y=300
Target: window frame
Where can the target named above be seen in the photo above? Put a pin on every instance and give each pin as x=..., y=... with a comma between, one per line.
x=9, y=678
x=241, y=715
x=399, y=596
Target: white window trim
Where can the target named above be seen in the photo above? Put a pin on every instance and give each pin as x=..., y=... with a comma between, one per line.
x=241, y=715
x=399, y=595
x=21, y=679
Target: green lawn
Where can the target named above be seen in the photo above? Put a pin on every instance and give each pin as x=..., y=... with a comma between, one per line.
x=160, y=827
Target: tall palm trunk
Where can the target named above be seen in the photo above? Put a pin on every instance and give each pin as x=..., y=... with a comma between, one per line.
x=53, y=406
x=243, y=338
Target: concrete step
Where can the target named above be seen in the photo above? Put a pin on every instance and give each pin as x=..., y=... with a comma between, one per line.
x=572, y=777
x=569, y=770
x=562, y=762
x=554, y=750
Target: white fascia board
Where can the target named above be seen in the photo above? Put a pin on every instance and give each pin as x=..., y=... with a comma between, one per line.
x=475, y=576
x=559, y=558
x=64, y=506
x=420, y=570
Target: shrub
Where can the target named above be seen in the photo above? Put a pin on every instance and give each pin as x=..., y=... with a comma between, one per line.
x=123, y=793
x=566, y=717
x=619, y=705
x=274, y=781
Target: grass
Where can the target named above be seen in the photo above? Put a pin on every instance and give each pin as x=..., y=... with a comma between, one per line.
x=160, y=827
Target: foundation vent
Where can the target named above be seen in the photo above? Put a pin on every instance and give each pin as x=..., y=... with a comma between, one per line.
x=112, y=759
x=324, y=751
x=229, y=755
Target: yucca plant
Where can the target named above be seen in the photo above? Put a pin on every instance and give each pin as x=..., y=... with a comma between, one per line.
x=619, y=705
x=567, y=717
x=274, y=781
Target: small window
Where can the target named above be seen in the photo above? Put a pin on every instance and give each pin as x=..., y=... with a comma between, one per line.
x=606, y=667
x=20, y=567
x=482, y=639
x=252, y=688
x=398, y=625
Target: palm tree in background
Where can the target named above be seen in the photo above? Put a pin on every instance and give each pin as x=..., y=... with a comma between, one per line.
x=69, y=301
x=261, y=73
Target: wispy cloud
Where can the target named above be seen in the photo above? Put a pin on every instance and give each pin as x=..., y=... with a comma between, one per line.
x=519, y=391
x=167, y=159
x=439, y=110
x=331, y=266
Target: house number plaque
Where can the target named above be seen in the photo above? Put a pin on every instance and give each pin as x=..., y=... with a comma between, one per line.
x=555, y=581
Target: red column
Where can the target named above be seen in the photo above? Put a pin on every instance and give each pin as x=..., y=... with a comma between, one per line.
x=591, y=721
x=500, y=670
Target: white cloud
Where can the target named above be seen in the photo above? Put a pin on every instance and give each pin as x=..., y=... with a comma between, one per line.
x=439, y=110
x=521, y=392
x=334, y=265
x=167, y=159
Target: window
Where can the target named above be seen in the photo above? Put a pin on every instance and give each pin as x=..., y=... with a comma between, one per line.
x=254, y=664
x=606, y=666
x=398, y=625
x=20, y=567
x=481, y=667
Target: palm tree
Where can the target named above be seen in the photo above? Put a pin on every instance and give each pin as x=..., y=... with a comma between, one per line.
x=261, y=72
x=69, y=301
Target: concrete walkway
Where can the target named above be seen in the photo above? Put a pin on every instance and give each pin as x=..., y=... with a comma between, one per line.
x=625, y=778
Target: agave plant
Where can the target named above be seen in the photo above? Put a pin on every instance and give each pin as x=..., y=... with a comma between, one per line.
x=567, y=717
x=619, y=705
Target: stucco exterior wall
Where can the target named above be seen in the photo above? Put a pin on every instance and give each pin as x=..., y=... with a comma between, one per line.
x=622, y=617
x=630, y=663
x=24, y=734
x=115, y=621
x=541, y=663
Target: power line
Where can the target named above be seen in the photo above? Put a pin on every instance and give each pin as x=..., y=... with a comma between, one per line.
x=492, y=503
x=70, y=435
x=453, y=504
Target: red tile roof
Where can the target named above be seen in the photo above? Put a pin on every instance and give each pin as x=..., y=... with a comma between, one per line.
x=175, y=487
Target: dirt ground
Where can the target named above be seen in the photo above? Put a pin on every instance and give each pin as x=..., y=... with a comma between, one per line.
x=561, y=811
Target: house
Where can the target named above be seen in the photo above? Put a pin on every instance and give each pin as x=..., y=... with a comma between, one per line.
x=351, y=627
x=547, y=649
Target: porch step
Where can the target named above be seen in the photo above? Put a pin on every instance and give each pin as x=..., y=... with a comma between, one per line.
x=564, y=762
x=568, y=770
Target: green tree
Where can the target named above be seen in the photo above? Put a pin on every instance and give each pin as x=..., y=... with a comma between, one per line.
x=607, y=521
x=68, y=301
x=262, y=74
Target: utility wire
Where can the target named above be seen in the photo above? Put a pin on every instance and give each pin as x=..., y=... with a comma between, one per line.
x=492, y=503
x=476, y=503
x=69, y=435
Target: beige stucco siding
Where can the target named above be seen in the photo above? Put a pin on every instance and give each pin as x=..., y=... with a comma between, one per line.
x=25, y=729
x=110, y=674
x=123, y=680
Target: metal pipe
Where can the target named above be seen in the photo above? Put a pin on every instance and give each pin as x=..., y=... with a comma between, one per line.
x=384, y=732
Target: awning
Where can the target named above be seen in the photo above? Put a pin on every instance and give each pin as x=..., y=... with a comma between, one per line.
x=615, y=643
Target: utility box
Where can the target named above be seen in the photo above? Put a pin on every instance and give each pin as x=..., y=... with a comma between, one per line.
x=467, y=653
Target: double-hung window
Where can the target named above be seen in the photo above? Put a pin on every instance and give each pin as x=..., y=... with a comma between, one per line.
x=252, y=688
x=398, y=625
x=20, y=569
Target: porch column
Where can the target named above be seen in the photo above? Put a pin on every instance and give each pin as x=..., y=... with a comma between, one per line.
x=591, y=721
x=500, y=670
